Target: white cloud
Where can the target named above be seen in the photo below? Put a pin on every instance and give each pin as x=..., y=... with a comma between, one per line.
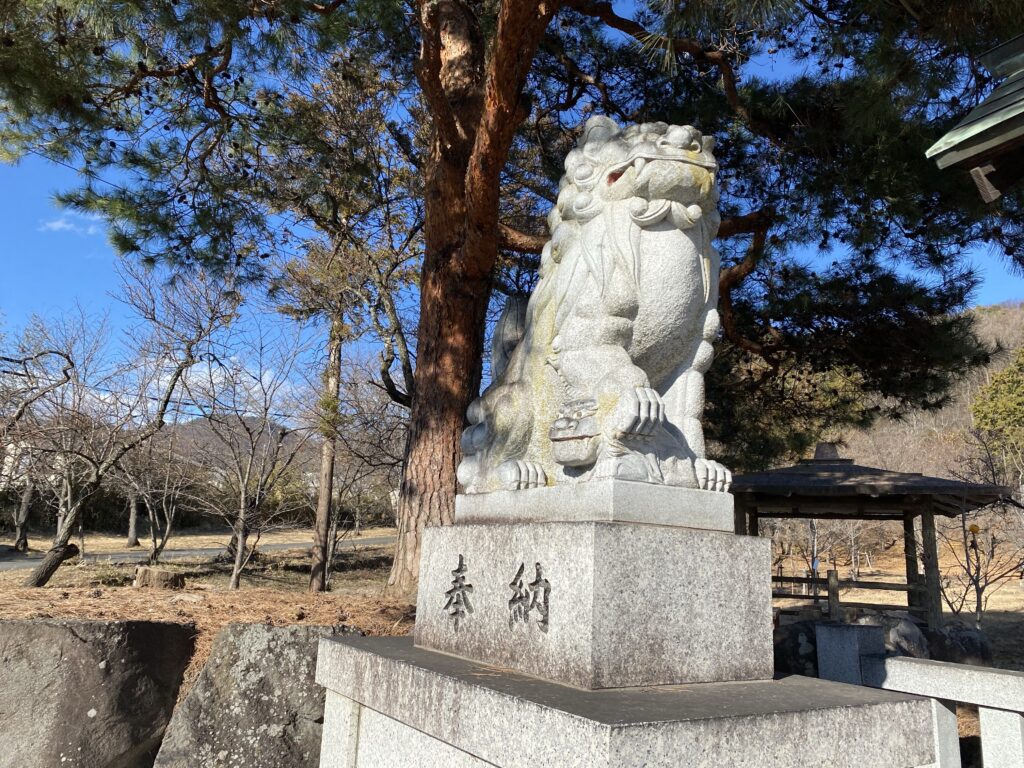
x=80, y=224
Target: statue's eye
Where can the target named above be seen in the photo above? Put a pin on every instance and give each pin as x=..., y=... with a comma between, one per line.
x=613, y=177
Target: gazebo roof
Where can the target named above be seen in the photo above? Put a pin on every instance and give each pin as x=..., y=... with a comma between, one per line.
x=869, y=491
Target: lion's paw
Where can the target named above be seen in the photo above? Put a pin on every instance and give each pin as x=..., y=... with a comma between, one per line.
x=712, y=476
x=516, y=475
x=640, y=412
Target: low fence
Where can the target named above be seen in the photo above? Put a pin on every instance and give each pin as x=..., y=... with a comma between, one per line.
x=828, y=589
x=855, y=654
x=998, y=694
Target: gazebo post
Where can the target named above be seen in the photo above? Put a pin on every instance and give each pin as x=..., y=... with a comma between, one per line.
x=753, y=529
x=739, y=516
x=932, y=581
x=910, y=558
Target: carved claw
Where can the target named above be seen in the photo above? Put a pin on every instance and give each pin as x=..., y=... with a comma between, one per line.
x=712, y=476
x=516, y=475
x=640, y=412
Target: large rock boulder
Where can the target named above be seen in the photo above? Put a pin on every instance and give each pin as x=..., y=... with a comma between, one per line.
x=255, y=703
x=902, y=636
x=88, y=694
x=961, y=644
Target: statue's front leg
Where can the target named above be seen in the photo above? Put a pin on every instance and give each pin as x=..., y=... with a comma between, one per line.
x=684, y=407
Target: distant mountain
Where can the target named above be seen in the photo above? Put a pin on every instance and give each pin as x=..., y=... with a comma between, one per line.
x=933, y=442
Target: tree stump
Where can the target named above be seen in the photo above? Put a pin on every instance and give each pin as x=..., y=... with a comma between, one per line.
x=155, y=577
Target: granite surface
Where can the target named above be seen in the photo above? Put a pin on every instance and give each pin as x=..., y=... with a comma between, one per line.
x=615, y=604
x=982, y=686
x=441, y=704
x=1002, y=738
x=601, y=374
x=603, y=501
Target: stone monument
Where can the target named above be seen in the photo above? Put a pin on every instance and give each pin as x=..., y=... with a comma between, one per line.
x=591, y=605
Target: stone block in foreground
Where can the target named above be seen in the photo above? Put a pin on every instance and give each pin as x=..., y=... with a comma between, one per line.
x=391, y=705
x=623, y=604
x=255, y=703
x=88, y=694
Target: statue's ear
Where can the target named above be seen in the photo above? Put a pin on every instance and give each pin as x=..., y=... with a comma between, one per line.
x=599, y=128
x=707, y=144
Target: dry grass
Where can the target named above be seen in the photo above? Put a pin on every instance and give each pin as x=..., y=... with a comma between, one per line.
x=100, y=543
x=273, y=592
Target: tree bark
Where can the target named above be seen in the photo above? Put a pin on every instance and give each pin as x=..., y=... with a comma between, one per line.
x=158, y=536
x=328, y=429
x=447, y=379
x=133, y=522
x=60, y=551
x=474, y=92
x=241, y=534
x=154, y=554
x=21, y=517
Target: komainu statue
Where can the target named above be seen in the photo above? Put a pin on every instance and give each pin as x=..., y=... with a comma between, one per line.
x=601, y=374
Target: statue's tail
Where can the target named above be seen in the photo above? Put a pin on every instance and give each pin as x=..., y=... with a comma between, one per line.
x=508, y=332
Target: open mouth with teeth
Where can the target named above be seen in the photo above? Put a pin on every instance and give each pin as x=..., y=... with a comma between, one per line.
x=632, y=169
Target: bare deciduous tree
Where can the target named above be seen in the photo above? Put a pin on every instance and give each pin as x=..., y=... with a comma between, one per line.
x=988, y=550
x=159, y=477
x=110, y=406
x=248, y=439
x=987, y=545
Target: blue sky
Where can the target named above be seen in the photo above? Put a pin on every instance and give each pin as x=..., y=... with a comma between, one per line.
x=51, y=258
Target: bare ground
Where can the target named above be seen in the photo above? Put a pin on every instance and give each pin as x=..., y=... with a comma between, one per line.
x=102, y=543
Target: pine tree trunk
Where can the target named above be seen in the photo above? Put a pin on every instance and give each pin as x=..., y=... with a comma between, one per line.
x=475, y=92
x=450, y=343
x=329, y=416
x=133, y=522
x=21, y=517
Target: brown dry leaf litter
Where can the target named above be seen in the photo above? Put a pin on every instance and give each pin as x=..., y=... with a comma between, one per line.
x=209, y=610
x=100, y=543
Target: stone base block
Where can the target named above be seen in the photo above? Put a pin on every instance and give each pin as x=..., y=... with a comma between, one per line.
x=599, y=605
x=610, y=501
x=390, y=705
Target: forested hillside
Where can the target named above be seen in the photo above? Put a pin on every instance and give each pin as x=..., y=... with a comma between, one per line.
x=939, y=442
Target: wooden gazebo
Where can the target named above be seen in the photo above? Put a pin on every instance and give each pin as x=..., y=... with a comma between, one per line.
x=831, y=488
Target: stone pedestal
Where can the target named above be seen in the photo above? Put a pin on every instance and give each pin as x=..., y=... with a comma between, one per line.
x=622, y=604
x=635, y=635
x=391, y=705
x=609, y=501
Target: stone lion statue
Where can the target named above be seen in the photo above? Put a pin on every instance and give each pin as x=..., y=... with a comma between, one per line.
x=601, y=374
